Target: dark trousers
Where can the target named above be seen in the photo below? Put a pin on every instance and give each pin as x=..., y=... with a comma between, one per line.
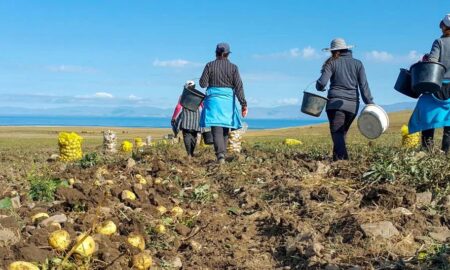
x=340, y=122
x=428, y=135
x=220, y=137
x=190, y=141
x=428, y=139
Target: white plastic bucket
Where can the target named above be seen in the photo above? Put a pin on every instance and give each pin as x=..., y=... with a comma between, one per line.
x=373, y=121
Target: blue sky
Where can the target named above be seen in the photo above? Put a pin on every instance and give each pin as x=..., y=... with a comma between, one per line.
x=139, y=53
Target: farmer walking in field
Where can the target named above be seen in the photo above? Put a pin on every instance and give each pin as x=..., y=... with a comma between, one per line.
x=346, y=75
x=432, y=110
x=220, y=112
x=188, y=122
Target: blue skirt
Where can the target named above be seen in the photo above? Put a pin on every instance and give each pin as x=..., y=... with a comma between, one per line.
x=430, y=113
x=220, y=109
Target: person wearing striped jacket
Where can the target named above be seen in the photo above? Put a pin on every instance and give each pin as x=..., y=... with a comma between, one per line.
x=188, y=122
x=220, y=112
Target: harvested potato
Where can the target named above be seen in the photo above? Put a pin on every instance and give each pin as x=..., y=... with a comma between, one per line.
x=160, y=228
x=176, y=211
x=59, y=240
x=39, y=216
x=141, y=179
x=128, y=195
x=142, y=261
x=161, y=210
x=136, y=240
x=87, y=246
x=107, y=228
x=21, y=265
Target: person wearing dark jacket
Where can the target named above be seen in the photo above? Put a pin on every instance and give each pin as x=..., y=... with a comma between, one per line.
x=220, y=111
x=432, y=110
x=188, y=122
x=347, y=82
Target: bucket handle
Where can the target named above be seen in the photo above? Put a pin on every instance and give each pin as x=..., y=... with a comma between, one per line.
x=309, y=85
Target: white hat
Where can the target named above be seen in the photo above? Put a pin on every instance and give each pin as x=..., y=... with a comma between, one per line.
x=338, y=44
x=189, y=84
x=446, y=20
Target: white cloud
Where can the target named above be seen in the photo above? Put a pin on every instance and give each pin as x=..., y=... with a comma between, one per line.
x=294, y=53
x=103, y=95
x=386, y=57
x=134, y=98
x=305, y=53
x=288, y=101
x=414, y=56
x=71, y=69
x=97, y=95
x=253, y=101
x=380, y=56
x=177, y=63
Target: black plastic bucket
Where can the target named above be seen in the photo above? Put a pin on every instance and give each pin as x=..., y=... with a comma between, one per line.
x=426, y=77
x=191, y=99
x=403, y=84
x=208, y=137
x=313, y=104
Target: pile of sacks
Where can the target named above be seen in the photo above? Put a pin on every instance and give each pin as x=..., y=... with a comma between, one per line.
x=409, y=140
x=235, y=139
x=109, y=142
x=70, y=146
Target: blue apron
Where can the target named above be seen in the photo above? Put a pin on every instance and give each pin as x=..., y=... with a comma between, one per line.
x=430, y=113
x=220, y=109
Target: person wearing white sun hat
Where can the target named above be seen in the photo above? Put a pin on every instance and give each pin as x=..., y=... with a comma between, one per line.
x=432, y=110
x=347, y=82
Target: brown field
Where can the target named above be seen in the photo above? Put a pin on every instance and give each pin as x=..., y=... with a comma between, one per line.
x=272, y=206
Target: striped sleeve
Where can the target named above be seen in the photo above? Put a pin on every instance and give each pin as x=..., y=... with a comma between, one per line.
x=204, y=79
x=239, y=88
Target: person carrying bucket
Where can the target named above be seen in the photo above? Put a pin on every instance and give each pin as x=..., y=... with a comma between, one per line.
x=346, y=75
x=433, y=110
x=188, y=122
x=220, y=112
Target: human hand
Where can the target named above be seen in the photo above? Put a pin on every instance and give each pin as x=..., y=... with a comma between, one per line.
x=244, y=111
x=172, y=122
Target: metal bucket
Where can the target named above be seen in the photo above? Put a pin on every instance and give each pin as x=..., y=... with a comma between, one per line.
x=313, y=104
x=403, y=84
x=208, y=137
x=191, y=99
x=426, y=77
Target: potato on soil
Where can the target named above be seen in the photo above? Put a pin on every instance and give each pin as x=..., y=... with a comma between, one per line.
x=128, y=195
x=136, y=240
x=59, y=240
x=107, y=228
x=160, y=229
x=39, y=216
x=87, y=246
x=142, y=261
x=161, y=210
x=21, y=265
x=176, y=211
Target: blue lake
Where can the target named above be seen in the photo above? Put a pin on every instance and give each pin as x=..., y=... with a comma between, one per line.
x=150, y=122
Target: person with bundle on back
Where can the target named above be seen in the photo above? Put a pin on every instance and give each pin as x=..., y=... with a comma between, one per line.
x=433, y=110
x=346, y=76
x=188, y=122
x=220, y=112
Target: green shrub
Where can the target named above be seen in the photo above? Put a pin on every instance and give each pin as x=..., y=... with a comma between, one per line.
x=43, y=188
x=89, y=160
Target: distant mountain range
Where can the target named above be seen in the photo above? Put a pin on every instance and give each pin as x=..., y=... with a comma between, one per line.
x=281, y=112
